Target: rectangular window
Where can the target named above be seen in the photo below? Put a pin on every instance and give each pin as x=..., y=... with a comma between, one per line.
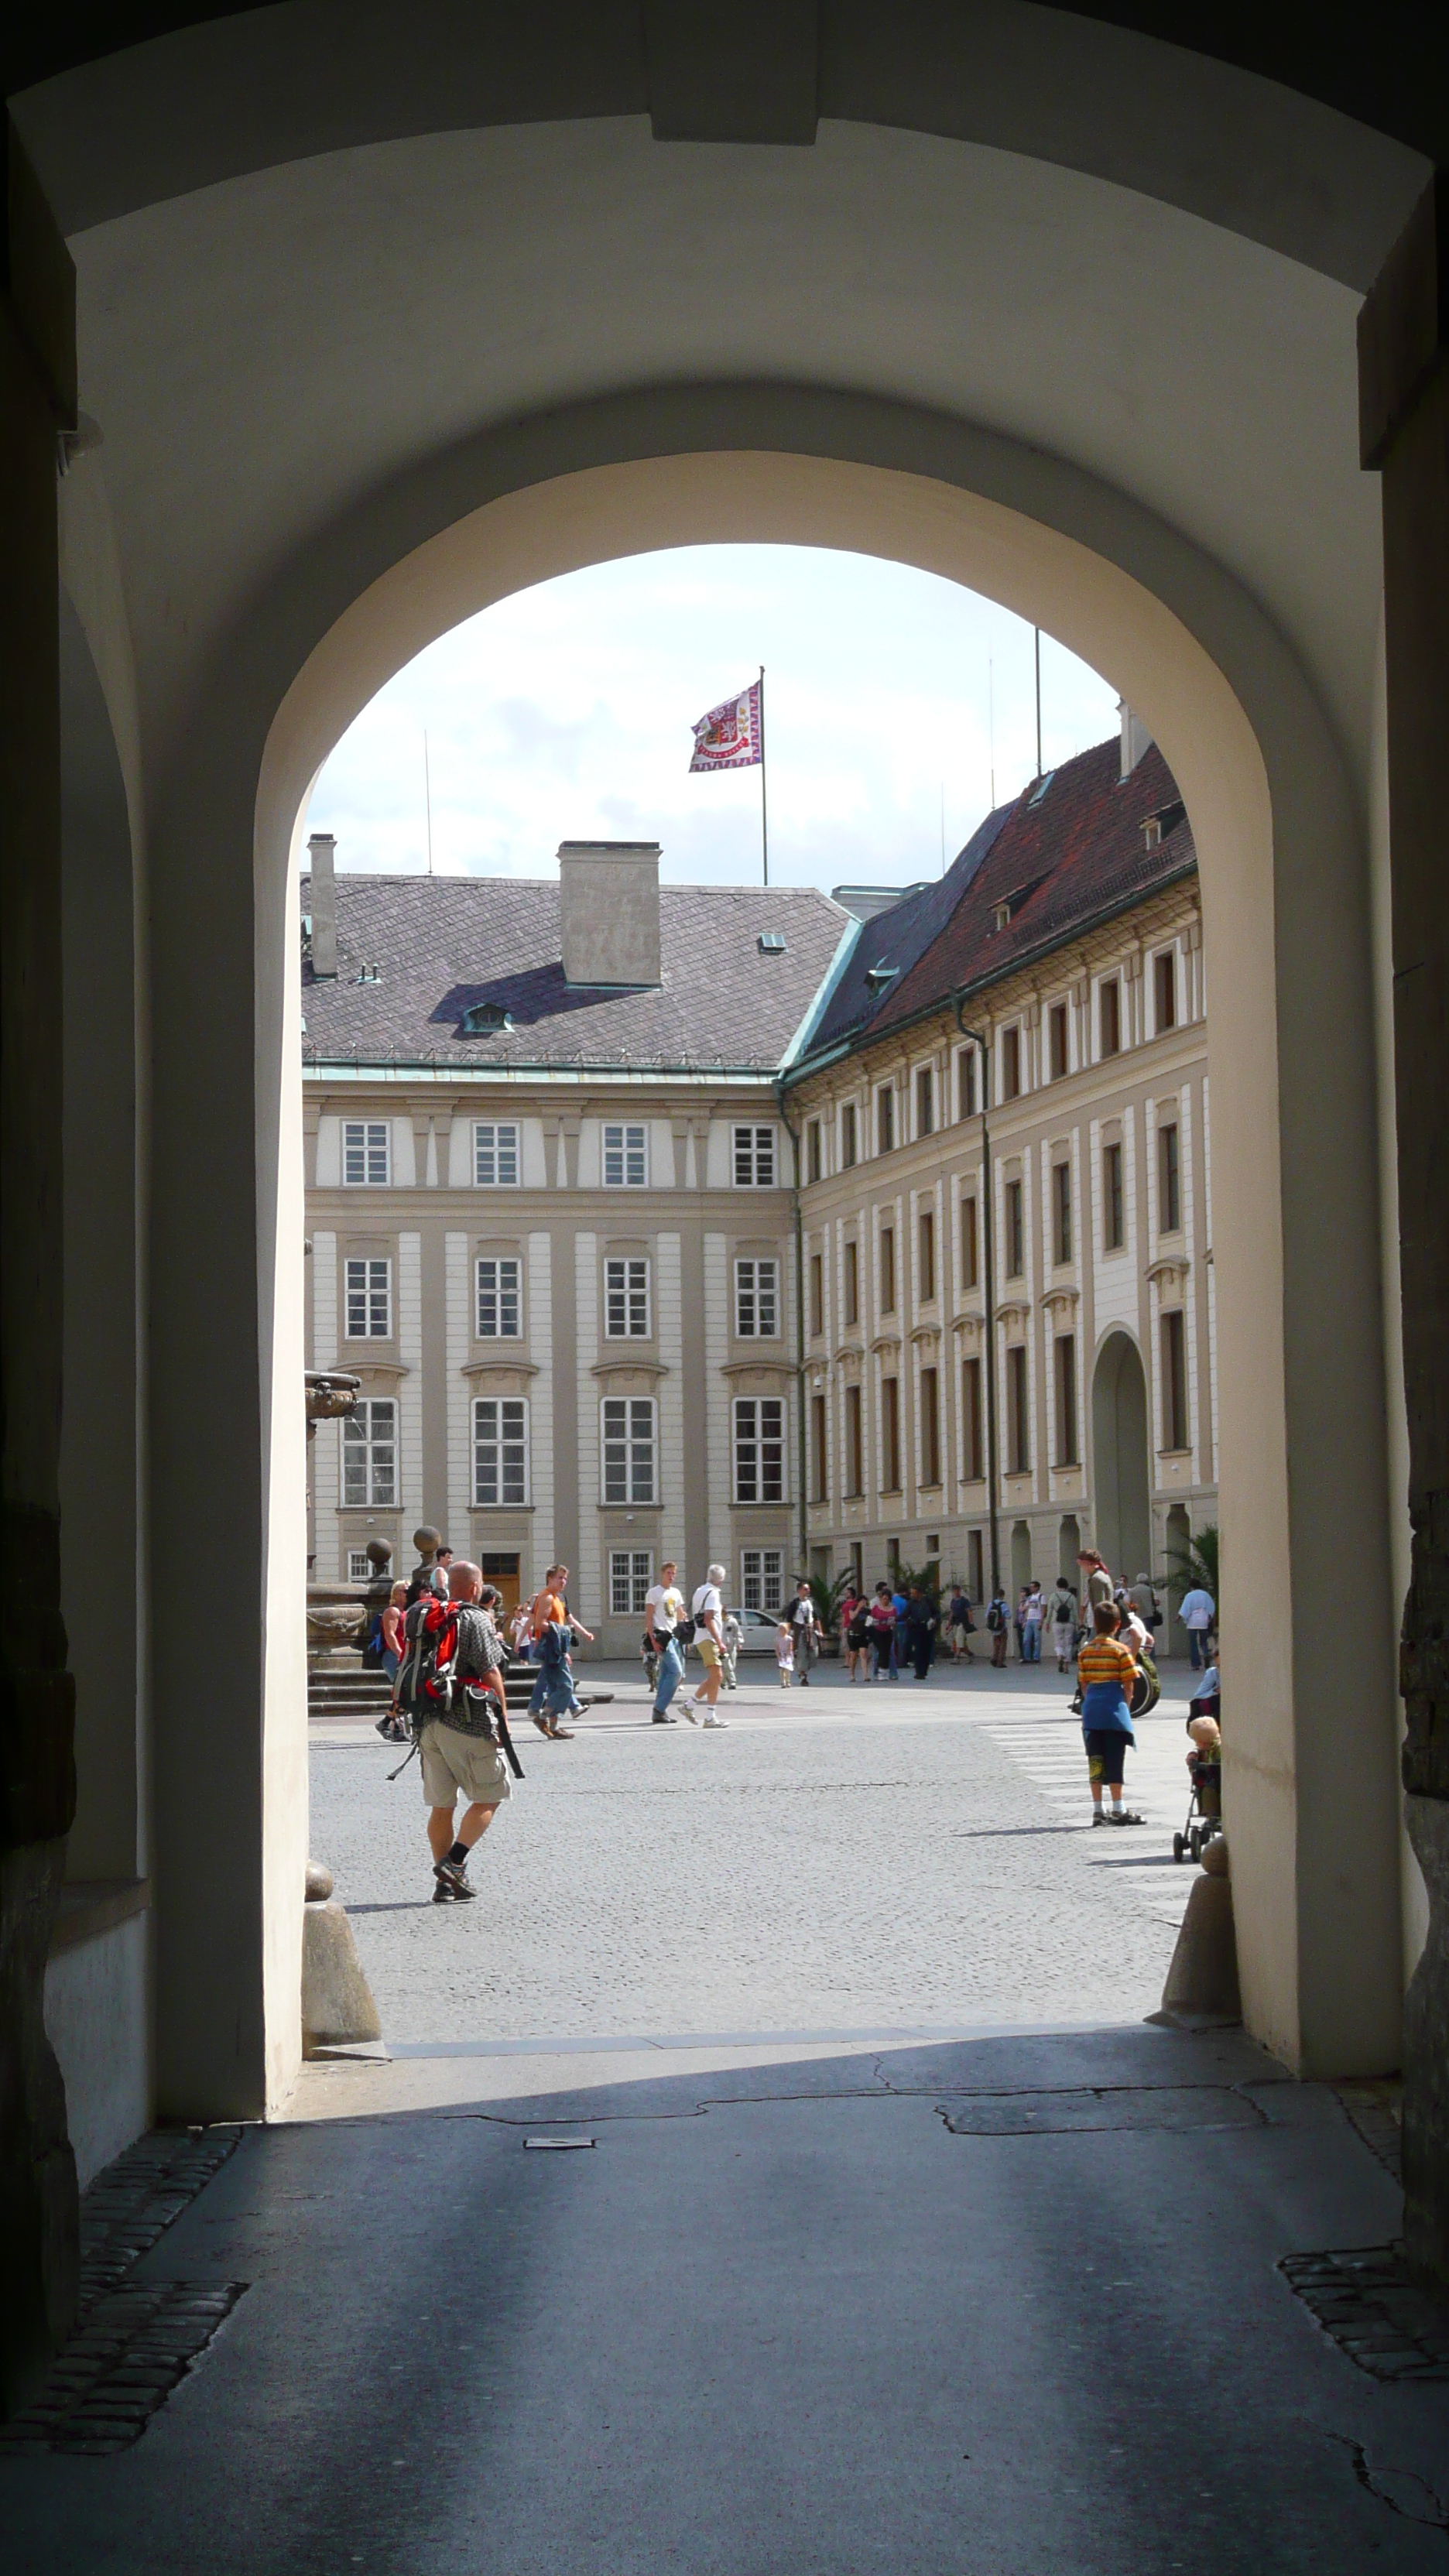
x=757, y=1305
x=1164, y=990
x=972, y=1423
x=1010, y=1063
x=366, y=1153
x=854, y=1446
x=812, y=1150
x=754, y=1158
x=890, y=1441
x=925, y=1100
x=628, y=1444
x=500, y=1449
x=930, y=1428
x=1174, y=1379
x=887, y=1270
x=970, y=1257
x=626, y=1158
x=885, y=1121
x=762, y=1578
x=1065, y=1363
x=369, y=1300
x=631, y=1571
x=369, y=1453
x=1057, y=1040
x=817, y=1294
x=759, y=1449
x=852, y=1283
x=495, y=1155
x=1015, y=1231
x=359, y=1565
x=1109, y=1017
x=1018, y=1417
x=1169, y=1194
x=847, y=1136
x=499, y=1300
x=966, y=1083
x=818, y=1464
x=975, y=1572
x=1061, y=1212
x=626, y=1300
x=928, y=1255
x=1112, y=1197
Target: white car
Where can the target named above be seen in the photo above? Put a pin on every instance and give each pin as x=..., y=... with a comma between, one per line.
x=760, y=1628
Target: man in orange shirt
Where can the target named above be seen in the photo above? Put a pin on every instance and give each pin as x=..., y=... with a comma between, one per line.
x=551, y=1609
x=1107, y=1671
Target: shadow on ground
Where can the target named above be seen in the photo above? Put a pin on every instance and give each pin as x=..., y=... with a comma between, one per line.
x=1003, y=2305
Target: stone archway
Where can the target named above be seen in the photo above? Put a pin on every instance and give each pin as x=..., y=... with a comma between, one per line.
x=1119, y=1456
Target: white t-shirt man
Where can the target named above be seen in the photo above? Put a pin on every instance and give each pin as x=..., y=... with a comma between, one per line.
x=667, y=1603
x=706, y=1598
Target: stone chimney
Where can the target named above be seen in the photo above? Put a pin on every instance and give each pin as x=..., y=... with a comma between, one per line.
x=609, y=912
x=320, y=848
x=1135, y=737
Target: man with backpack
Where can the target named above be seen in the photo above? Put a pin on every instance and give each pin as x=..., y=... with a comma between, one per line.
x=450, y=1684
x=998, y=1622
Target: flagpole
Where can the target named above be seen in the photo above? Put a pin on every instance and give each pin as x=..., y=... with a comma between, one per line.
x=764, y=810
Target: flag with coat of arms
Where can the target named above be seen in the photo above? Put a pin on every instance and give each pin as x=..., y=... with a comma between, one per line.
x=731, y=736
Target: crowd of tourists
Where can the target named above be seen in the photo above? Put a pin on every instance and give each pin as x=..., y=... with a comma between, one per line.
x=440, y=1639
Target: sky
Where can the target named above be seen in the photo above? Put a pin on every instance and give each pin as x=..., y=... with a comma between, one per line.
x=564, y=713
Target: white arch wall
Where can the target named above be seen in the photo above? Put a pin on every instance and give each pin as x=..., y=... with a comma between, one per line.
x=1286, y=901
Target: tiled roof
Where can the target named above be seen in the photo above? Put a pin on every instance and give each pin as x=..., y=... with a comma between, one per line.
x=1062, y=856
x=895, y=939
x=443, y=943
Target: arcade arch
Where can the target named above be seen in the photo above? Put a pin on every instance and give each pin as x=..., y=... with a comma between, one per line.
x=1120, y=1466
x=1283, y=880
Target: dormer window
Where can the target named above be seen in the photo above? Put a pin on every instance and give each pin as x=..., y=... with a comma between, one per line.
x=877, y=977
x=484, y=1019
x=1002, y=915
x=771, y=943
x=1152, y=832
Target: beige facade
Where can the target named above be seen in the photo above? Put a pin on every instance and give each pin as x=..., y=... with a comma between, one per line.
x=573, y=1306
x=1101, y=1228
x=572, y=1310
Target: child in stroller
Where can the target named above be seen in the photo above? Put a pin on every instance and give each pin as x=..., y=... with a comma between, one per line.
x=1205, y=1772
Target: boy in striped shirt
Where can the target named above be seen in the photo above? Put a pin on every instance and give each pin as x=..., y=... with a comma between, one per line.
x=1107, y=1671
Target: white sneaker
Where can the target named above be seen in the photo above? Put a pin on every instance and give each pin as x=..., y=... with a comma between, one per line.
x=716, y=1721
x=689, y=1711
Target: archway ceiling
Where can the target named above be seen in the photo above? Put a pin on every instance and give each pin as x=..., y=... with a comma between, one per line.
x=266, y=352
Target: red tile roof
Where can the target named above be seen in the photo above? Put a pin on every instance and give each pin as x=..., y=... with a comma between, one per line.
x=1066, y=855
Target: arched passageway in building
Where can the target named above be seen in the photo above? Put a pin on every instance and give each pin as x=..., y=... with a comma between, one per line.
x=1120, y=1460
x=567, y=395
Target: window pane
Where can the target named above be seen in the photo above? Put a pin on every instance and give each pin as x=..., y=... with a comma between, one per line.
x=495, y=1156
x=847, y=1135
x=499, y=1300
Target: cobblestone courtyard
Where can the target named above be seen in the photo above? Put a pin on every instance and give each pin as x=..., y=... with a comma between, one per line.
x=836, y=1862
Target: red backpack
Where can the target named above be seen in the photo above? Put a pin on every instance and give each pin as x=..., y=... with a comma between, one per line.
x=425, y=1675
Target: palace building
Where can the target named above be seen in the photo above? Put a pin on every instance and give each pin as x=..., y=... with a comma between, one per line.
x=742, y=1223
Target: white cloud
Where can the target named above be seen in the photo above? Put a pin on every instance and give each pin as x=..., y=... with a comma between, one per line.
x=564, y=713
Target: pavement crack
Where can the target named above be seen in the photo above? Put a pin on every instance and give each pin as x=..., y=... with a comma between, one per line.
x=1402, y=2490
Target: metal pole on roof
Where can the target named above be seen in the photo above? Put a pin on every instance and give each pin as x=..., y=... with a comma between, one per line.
x=1036, y=632
x=428, y=797
x=764, y=815
x=991, y=722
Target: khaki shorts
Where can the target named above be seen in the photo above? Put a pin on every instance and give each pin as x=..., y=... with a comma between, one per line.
x=708, y=1650
x=453, y=1762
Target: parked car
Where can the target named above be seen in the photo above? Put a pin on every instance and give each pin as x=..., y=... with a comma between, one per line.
x=759, y=1627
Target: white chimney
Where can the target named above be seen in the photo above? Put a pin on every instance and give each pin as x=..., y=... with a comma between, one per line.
x=320, y=849
x=1135, y=737
x=609, y=912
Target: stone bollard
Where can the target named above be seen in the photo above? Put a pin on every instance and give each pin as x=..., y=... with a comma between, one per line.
x=337, y=2005
x=1202, y=1982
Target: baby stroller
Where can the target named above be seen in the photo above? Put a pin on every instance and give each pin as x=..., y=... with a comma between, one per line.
x=1205, y=1799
